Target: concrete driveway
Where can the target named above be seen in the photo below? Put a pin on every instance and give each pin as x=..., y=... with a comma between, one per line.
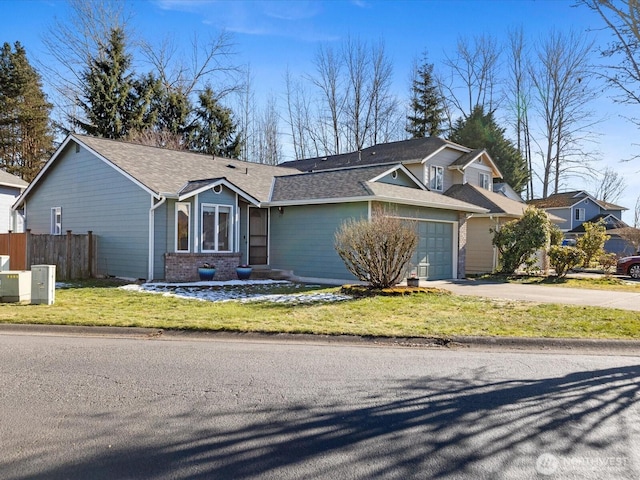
x=540, y=293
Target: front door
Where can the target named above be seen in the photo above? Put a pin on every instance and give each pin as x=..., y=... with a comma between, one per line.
x=258, y=236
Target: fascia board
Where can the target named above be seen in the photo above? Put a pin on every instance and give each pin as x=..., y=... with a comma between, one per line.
x=375, y=198
x=41, y=173
x=224, y=182
x=402, y=168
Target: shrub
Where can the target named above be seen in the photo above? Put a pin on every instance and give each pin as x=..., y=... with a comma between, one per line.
x=608, y=261
x=517, y=241
x=555, y=235
x=563, y=259
x=592, y=242
x=377, y=251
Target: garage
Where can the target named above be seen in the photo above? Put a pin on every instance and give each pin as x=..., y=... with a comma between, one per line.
x=433, y=258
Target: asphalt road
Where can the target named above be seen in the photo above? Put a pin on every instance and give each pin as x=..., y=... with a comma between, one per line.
x=125, y=408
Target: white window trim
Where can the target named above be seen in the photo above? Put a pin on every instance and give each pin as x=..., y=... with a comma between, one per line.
x=579, y=215
x=439, y=170
x=56, y=220
x=217, y=227
x=176, y=240
x=485, y=180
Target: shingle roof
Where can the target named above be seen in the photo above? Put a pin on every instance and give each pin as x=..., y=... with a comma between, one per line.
x=496, y=203
x=11, y=180
x=567, y=199
x=356, y=182
x=341, y=183
x=168, y=171
x=612, y=224
x=413, y=150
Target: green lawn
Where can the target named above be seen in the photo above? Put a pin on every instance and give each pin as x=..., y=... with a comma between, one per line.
x=416, y=315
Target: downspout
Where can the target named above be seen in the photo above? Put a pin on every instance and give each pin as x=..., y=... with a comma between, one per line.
x=152, y=232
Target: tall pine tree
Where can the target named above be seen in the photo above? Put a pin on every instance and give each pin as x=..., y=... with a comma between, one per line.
x=426, y=117
x=480, y=130
x=114, y=103
x=214, y=131
x=26, y=138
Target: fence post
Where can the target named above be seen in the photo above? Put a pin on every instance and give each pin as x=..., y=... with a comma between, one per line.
x=69, y=255
x=27, y=248
x=90, y=252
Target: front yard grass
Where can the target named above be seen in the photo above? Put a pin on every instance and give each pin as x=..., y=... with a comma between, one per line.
x=416, y=315
x=594, y=283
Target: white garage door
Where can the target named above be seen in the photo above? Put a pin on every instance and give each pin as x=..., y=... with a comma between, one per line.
x=433, y=258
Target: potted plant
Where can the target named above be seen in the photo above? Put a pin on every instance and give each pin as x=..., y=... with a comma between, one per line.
x=413, y=280
x=243, y=271
x=206, y=272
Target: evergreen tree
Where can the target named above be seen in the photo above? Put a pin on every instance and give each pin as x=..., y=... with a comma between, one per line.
x=114, y=103
x=214, y=131
x=480, y=130
x=26, y=139
x=426, y=115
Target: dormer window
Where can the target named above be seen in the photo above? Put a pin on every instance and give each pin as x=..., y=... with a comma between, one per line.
x=484, y=181
x=436, y=178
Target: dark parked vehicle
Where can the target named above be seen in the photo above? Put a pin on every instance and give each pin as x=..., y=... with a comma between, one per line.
x=629, y=266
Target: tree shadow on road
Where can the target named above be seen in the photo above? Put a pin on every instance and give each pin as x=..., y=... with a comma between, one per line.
x=425, y=428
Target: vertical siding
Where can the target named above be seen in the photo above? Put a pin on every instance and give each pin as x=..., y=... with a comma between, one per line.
x=302, y=239
x=94, y=196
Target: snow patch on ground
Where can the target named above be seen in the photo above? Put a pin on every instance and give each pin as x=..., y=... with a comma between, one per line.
x=236, y=290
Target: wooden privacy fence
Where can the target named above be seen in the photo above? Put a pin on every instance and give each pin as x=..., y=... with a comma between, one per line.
x=73, y=255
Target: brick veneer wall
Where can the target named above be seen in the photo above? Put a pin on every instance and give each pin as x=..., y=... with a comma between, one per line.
x=183, y=267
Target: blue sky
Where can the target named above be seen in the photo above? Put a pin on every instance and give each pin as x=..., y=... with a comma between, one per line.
x=275, y=35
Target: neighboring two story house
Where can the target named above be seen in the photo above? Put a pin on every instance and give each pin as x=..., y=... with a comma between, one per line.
x=579, y=207
x=450, y=170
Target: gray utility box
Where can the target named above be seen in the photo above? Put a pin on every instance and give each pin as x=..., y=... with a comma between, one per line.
x=43, y=284
x=4, y=263
x=15, y=286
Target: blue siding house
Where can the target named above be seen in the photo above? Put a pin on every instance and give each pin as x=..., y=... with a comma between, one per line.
x=159, y=213
x=579, y=207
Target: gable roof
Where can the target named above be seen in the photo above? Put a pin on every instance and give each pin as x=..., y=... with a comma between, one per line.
x=415, y=150
x=569, y=199
x=356, y=183
x=611, y=222
x=181, y=174
x=164, y=172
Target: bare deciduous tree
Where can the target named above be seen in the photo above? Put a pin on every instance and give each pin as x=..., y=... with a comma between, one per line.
x=71, y=43
x=561, y=78
x=476, y=66
x=610, y=185
x=518, y=92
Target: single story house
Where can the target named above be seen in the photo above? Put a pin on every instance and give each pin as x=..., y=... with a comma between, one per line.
x=159, y=213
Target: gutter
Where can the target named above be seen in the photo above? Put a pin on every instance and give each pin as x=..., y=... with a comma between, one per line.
x=152, y=232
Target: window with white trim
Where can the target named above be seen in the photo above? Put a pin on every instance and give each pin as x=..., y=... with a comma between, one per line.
x=436, y=178
x=216, y=228
x=579, y=214
x=56, y=221
x=485, y=181
x=183, y=227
